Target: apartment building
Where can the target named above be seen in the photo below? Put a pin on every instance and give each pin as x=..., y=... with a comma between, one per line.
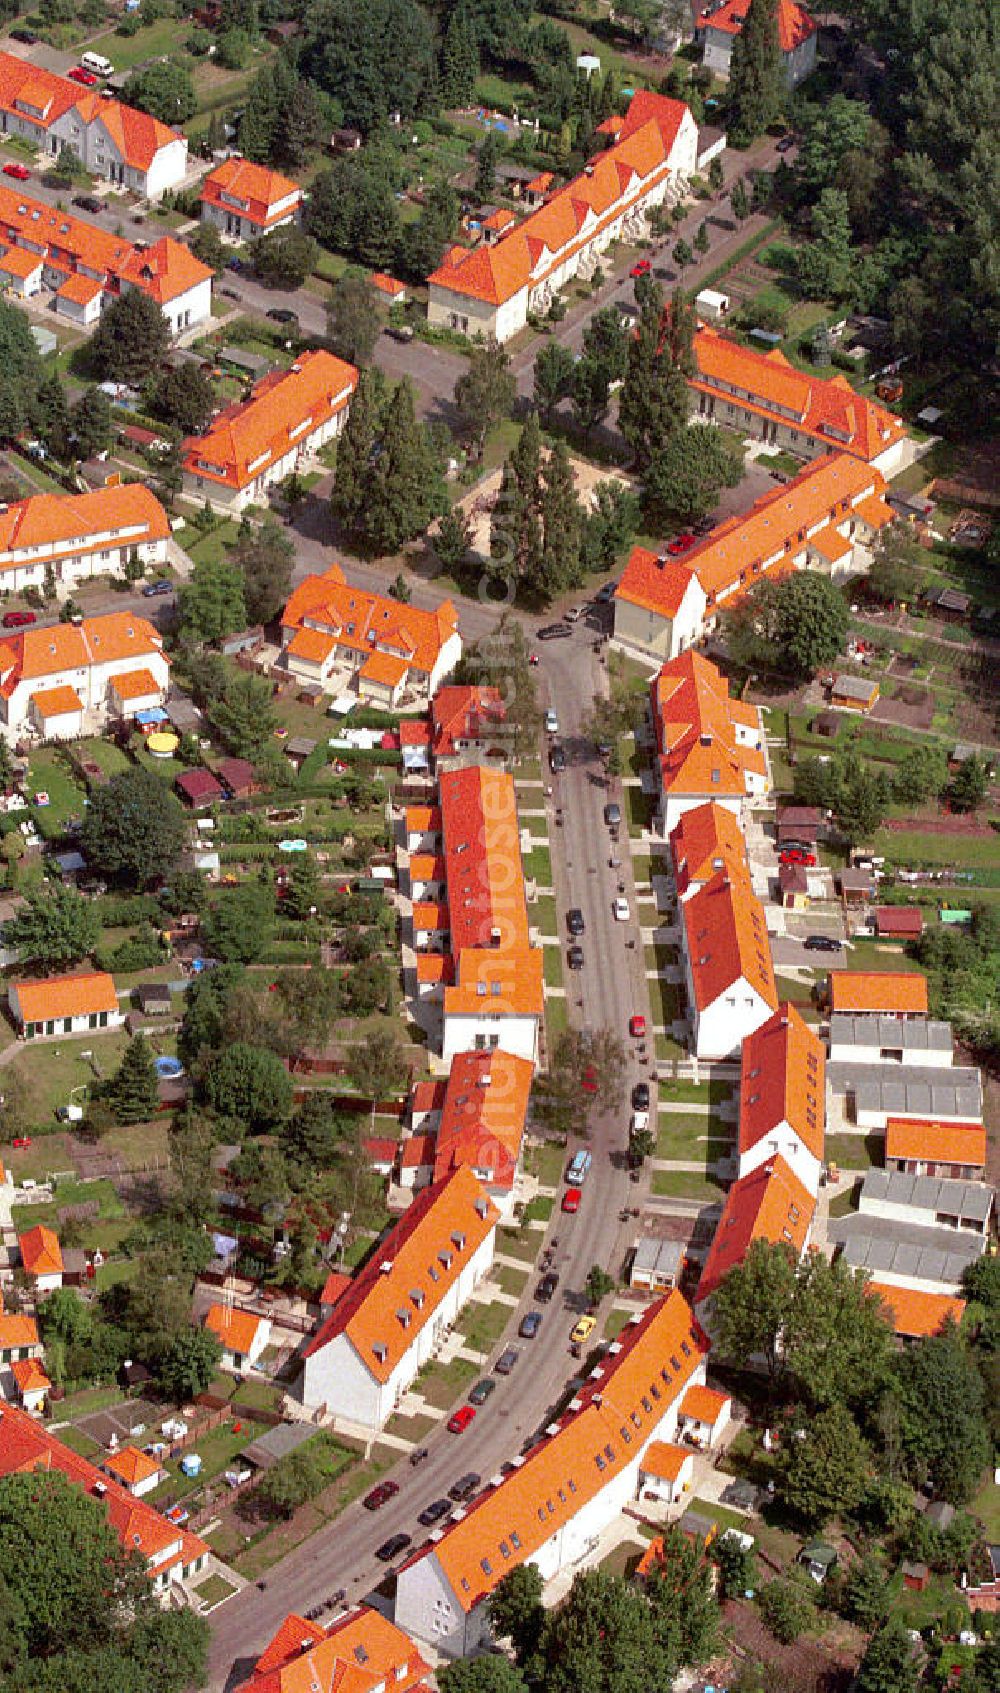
x=475, y=1118
x=118, y=143
x=244, y=200
x=705, y=840
x=769, y=1204
x=77, y=536
x=783, y=1097
x=798, y=33
x=728, y=970
x=709, y=747
x=490, y=289
x=825, y=520
x=762, y=394
x=340, y=638
x=47, y=250
x=252, y=446
x=359, y=1652
x=67, y=679
x=553, y=1503
x=395, y=1312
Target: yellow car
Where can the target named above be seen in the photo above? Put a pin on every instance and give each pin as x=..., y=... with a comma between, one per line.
x=584, y=1329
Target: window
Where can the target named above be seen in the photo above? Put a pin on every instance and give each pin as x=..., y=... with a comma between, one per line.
x=599, y=1461
x=515, y=1538
x=623, y=1431
x=486, y=1566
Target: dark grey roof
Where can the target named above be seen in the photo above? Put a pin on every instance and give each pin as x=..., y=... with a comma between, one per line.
x=913, y=1034
x=971, y=1201
x=910, y=1091
x=654, y=1256
x=914, y=1254
x=277, y=1443
x=855, y=881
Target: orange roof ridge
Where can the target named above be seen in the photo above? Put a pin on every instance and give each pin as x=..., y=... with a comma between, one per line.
x=619, y=1408
x=77, y=993
x=706, y=839
x=695, y=722
x=359, y=1653
x=329, y=608
x=41, y=1253
x=769, y=1204
x=246, y=438
x=483, y=1114
x=783, y=1080
x=405, y=1280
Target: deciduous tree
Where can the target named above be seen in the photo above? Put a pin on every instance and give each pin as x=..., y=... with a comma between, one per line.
x=211, y=604
x=265, y=555
x=484, y=393
x=284, y=257
x=249, y=1085
x=190, y=1365
x=54, y=929
x=825, y=1467
x=184, y=397
x=164, y=89
x=352, y=320
x=684, y=478
x=131, y=338
x=239, y=926
x=889, y=1665
x=516, y=1610
x=553, y=377
x=134, y=828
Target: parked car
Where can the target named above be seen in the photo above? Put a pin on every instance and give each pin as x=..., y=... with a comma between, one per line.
x=574, y=921
x=18, y=619
x=642, y=267
x=379, y=1495
x=554, y=632
x=530, y=1324
x=583, y=1330
x=465, y=1486
x=622, y=910
x=152, y=590
x=589, y=1083
x=21, y=172
x=704, y=525
x=571, y=1200
x=392, y=1547
x=574, y=957
x=612, y=814
x=507, y=1360
x=400, y=331
x=79, y=74
x=547, y=1286
x=551, y=723
x=640, y=1096
x=786, y=144
x=433, y=1512
x=557, y=760
x=462, y=1418
x=281, y=314
x=637, y=1027
x=88, y=202
x=574, y=614
x=28, y=36
x=681, y=544
x=796, y=855
x=481, y=1392
x=579, y=1167
x=821, y=943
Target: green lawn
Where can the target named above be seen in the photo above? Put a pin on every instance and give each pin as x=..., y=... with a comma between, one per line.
x=519, y=1243
x=845, y=1203
x=75, y=1438
x=973, y=852
x=615, y=1321
x=154, y=41
x=556, y=1018
x=511, y=1280
x=552, y=969
x=664, y=1001
x=692, y=1139
x=214, y=1589
x=854, y=1152
x=546, y=1162
x=89, y=1400
x=411, y=1428
x=49, y=772
x=686, y=1184
x=874, y=955
x=544, y=914
x=110, y=757
x=444, y=1383
x=986, y=1506
x=694, y=1093
x=538, y=866
x=482, y=1325
x=52, y=1068
x=216, y=1449
x=72, y=1193
x=538, y=1210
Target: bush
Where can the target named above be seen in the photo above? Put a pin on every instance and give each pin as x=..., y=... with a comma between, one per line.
x=141, y=952
x=786, y=1610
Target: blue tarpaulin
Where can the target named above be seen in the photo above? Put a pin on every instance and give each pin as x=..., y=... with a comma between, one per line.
x=154, y=714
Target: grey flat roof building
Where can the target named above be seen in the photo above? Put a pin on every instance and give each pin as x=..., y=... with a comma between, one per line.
x=970, y=1202
x=657, y=1259
x=904, y=1250
x=893, y=1090
x=912, y=1034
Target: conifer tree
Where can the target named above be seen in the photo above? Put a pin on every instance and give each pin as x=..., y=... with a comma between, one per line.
x=406, y=490
x=459, y=60
x=516, y=530
x=486, y=168
x=133, y=1092
x=561, y=524
x=354, y=451
x=755, y=74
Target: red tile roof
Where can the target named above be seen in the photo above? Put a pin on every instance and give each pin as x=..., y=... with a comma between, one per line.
x=907, y=920
x=262, y=196
x=927, y=1142
x=707, y=838
x=497, y=969
x=27, y=89
x=726, y=939
x=572, y=216
x=286, y=407
x=464, y=713
x=794, y=23
x=362, y=623
x=783, y=1080
x=770, y=1204
x=72, y=524
x=654, y=581
x=78, y=993
x=31, y=654
x=41, y=1253
x=915, y=1314
x=704, y=1404
x=26, y=1447
x=483, y=1115
x=902, y=992
x=385, y=1308
x=615, y=1413
x=697, y=731
x=826, y=408
x=360, y=1653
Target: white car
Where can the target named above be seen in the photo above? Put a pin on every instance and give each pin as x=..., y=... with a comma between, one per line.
x=551, y=723
x=621, y=910
x=640, y=1121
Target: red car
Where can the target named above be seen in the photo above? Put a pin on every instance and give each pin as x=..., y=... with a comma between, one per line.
x=680, y=544
x=642, y=267
x=17, y=619
x=20, y=171
x=637, y=1027
x=571, y=1199
x=589, y=1083
x=21, y=1140
x=79, y=74
x=462, y=1418
x=797, y=855
x=378, y=1496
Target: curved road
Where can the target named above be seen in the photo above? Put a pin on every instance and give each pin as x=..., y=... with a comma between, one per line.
x=611, y=986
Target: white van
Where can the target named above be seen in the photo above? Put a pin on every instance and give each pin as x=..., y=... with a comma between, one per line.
x=94, y=62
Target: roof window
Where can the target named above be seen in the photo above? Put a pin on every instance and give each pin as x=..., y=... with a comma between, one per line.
x=515, y=1538
x=486, y=1566
x=675, y=1362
